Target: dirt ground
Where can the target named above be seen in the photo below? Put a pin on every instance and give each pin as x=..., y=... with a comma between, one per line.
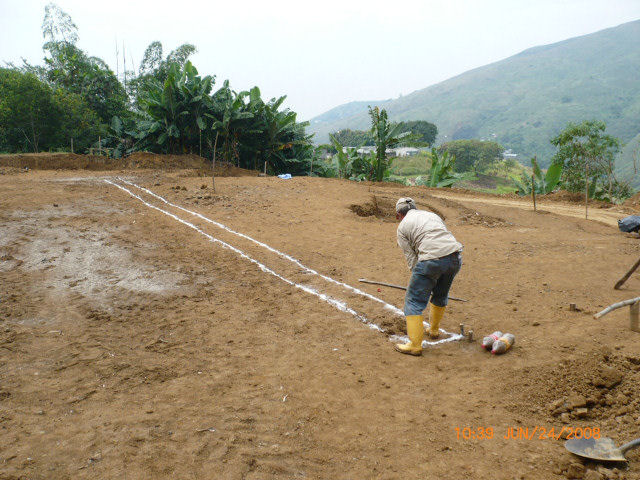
x=134, y=346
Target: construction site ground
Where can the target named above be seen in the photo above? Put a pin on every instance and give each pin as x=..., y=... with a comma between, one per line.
x=134, y=345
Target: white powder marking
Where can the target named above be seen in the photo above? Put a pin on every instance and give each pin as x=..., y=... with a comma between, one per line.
x=331, y=301
x=297, y=262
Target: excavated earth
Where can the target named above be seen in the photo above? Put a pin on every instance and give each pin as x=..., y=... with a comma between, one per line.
x=134, y=346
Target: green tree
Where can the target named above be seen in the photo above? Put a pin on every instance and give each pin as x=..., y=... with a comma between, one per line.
x=542, y=185
x=474, y=155
x=70, y=68
x=28, y=113
x=173, y=112
x=385, y=135
x=587, y=154
x=35, y=117
x=441, y=171
x=352, y=138
x=229, y=116
x=155, y=69
x=424, y=132
x=344, y=159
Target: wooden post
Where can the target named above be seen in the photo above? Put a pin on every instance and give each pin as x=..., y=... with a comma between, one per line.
x=627, y=275
x=213, y=164
x=311, y=168
x=99, y=145
x=265, y=168
x=634, y=315
x=533, y=192
x=586, y=192
x=72, y=145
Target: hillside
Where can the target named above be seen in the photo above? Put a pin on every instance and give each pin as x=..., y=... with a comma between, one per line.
x=527, y=98
x=625, y=162
x=345, y=112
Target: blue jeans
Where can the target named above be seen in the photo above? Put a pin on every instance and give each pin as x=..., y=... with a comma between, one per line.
x=431, y=278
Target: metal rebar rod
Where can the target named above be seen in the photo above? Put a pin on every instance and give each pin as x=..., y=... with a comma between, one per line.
x=400, y=287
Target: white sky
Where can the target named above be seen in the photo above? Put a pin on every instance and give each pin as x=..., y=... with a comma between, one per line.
x=320, y=54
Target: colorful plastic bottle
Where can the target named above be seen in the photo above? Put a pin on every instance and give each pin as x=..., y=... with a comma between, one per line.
x=487, y=342
x=503, y=344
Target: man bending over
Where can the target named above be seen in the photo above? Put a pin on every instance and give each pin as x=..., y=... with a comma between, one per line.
x=433, y=256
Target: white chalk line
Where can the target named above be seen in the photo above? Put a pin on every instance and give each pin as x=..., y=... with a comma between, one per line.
x=343, y=305
x=332, y=301
x=297, y=262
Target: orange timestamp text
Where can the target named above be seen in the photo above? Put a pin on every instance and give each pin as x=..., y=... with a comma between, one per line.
x=527, y=433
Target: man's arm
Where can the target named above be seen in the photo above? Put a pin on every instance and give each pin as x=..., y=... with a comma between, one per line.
x=405, y=245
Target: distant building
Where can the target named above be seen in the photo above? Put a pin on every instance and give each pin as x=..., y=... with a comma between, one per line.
x=406, y=151
x=509, y=154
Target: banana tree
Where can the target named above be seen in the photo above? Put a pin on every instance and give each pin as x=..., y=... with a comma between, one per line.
x=281, y=140
x=120, y=140
x=173, y=112
x=228, y=117
x=344, y=158
x=441, y=171
x=385, y=135
x=195, y=92
x=542, y=185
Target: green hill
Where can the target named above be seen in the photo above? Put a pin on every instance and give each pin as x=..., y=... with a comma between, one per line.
x=628, y=163
x=526, y=99
x=344, y=112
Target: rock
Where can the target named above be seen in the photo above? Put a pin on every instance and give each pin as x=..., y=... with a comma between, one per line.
x=592, y=475
x=576, y=401
x=575, y=470
x=557, y=406
x=606, y=473
x=607, y=377
x=565, y=418
x=622, y=411
x=606, y=352
x=581, y=412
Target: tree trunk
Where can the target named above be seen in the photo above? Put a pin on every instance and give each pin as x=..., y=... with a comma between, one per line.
x=213, y=167
x=533, y=192
x=610, y=186
x=586, y=190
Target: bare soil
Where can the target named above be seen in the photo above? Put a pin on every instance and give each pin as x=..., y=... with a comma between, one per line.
x=133, y=346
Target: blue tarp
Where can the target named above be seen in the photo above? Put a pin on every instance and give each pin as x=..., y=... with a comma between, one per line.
x=629, y=224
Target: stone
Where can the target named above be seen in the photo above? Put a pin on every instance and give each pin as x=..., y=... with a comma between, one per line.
x=592, y=475
x=576, y=401
x=581, y=412
x=575, y=470
x=622, y=411
x=607, y=377
x=606, y=473
x=565, y=418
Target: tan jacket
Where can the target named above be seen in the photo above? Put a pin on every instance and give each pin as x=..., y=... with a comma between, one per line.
x=424, y=236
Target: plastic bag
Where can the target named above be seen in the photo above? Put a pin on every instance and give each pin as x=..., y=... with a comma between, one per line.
x=629, y=224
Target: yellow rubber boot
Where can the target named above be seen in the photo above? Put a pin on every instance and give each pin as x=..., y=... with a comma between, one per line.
x=415, y=331
x=435, y=315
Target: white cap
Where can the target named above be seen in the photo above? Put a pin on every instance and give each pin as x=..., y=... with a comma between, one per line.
x=405, y=201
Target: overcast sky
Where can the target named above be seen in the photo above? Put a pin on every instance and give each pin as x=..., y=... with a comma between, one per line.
x=321, y=54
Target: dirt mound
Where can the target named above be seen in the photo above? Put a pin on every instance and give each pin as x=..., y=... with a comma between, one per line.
x=379, y=207
x=473, y=217
x=599, y=387
x=385, y=207
x=137, y=160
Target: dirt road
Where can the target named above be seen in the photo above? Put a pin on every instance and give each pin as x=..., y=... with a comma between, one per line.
x=138, y=340
x=610, y=216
